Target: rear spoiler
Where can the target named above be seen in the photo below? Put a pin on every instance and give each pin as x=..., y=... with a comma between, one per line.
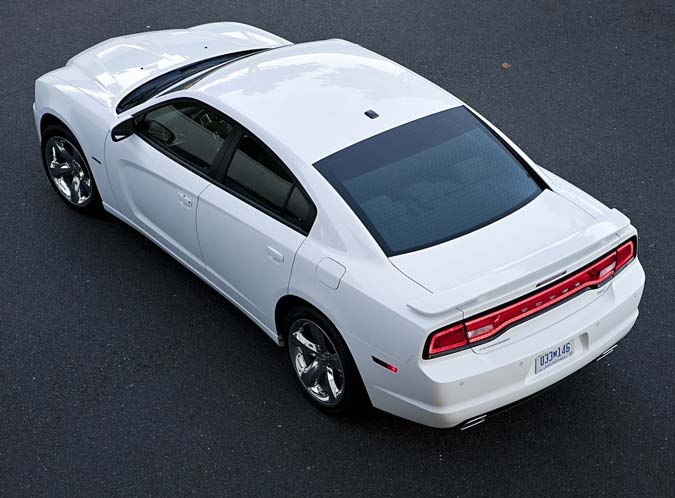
x=568, y=255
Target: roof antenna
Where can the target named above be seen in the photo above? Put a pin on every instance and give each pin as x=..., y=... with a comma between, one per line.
x=371, y=114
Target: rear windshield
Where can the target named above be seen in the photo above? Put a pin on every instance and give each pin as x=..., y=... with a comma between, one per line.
x=430, y=180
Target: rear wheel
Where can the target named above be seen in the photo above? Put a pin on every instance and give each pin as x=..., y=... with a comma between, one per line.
x=68, y=170
x=321, y=362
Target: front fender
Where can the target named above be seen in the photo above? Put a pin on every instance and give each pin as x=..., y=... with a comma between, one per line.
x=84, y=117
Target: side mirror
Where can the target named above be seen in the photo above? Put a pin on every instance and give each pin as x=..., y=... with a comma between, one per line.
x=123, y=130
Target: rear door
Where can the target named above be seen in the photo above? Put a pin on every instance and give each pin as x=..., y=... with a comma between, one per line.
x=251, y=224
x=158, y=173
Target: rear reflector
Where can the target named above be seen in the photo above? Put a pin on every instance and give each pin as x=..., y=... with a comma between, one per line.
x=492, y=323
x=384, y=364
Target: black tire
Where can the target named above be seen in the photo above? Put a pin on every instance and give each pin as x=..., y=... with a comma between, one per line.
x=93, y=205
x=353, y=397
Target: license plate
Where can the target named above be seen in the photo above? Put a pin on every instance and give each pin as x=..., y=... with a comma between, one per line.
x=553, y=356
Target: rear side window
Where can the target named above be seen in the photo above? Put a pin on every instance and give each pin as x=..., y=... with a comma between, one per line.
x=430, y=180
x=259, y=176
x=188, y=131
x=298, y=208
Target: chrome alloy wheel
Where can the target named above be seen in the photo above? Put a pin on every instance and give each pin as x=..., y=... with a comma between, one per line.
x=316, y=361
x=67, y=171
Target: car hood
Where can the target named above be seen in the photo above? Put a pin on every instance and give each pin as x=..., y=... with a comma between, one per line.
x=539, y=242
x=109, y=70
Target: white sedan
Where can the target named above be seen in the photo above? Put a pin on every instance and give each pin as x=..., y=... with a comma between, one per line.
x=403, y=250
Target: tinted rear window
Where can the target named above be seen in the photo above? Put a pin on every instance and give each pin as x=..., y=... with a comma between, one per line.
x=430, y=180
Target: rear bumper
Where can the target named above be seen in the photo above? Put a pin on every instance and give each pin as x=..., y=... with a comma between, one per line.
x=459, y=387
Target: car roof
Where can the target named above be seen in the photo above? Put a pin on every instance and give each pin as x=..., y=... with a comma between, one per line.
x=312, y=97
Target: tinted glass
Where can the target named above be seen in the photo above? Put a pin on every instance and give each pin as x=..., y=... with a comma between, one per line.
x=164, y=81
x=188, y=130
x=298, y=208
x=429, y=181
x=257, y=173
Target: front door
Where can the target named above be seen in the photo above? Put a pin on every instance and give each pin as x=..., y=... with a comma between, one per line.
x=158, y=173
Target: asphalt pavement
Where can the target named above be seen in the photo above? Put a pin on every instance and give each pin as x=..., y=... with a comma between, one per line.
x=122, y=374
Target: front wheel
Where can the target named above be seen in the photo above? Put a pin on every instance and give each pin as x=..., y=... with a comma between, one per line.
x=323, y=366
x=68, y=171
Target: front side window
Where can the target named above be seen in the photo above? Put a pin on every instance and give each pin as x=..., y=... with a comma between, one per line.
x=430, y=180
x=187, y=130
x=258, y=175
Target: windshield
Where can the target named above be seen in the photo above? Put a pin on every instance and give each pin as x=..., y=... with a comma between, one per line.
x=430, y=180
x=156, y=85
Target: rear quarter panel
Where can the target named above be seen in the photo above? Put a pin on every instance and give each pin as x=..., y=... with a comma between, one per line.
x=369, y=310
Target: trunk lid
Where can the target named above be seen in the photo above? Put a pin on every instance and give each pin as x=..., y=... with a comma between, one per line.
x=540, y=242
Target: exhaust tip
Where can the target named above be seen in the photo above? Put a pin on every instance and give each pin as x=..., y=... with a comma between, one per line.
x=606, y=353
x=473, y=422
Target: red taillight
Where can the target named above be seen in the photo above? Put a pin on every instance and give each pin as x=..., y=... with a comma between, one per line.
x=624, y=254
x=603, y=269
x=444, y=340
x=494, y=322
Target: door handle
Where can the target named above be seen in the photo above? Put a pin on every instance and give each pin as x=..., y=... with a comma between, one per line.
x=275, y=255
x=185, y=200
